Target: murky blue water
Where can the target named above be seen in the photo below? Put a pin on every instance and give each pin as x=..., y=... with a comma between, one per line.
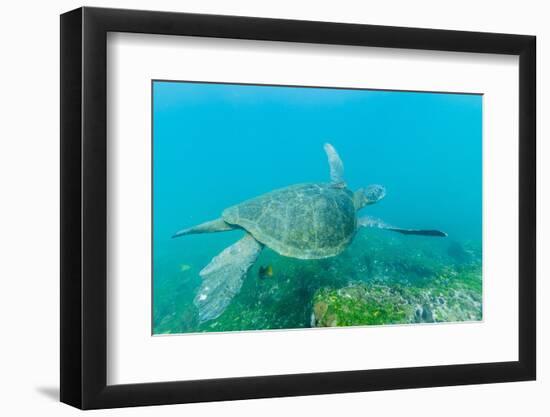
x=216, y=145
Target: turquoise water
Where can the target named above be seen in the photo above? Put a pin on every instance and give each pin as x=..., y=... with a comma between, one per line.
x=215, y=145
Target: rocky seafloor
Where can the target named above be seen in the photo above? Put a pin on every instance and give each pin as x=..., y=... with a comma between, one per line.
x=380, y=279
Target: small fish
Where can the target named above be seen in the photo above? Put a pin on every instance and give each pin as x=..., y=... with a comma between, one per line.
x=185, y=267
x=265, y=272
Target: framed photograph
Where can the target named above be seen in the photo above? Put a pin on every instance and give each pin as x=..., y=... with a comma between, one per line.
x=257, y=207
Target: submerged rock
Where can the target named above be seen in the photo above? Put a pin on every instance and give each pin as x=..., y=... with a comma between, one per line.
x=359, y=305
x=427, y=315
x=439, y=300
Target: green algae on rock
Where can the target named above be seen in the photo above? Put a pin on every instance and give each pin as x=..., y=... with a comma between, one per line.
x=442, y=299
x=359, y=304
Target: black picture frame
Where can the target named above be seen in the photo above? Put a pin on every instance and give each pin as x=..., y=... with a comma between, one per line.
x=84, y=207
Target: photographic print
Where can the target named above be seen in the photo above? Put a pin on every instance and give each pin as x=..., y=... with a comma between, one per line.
x=292, y=207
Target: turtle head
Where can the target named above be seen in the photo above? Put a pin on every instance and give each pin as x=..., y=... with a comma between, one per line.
x=370, y=195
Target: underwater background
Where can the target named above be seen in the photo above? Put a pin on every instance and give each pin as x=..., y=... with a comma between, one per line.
x=215, y=145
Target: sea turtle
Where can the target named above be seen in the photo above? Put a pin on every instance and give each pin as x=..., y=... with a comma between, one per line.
x=304, y=221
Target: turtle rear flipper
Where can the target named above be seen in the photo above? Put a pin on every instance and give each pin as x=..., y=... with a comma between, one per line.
x=212, y=226
x=373, y=222
x=222, y=278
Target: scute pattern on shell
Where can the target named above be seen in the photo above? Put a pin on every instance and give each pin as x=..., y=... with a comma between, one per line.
x=305, y=221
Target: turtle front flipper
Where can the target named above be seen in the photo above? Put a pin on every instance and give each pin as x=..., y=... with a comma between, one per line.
x=373, y=222
x=336, y=166
x=212, y=226
x=222, y=278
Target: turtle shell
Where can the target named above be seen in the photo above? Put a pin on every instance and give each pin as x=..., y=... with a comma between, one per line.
x=305, y=221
